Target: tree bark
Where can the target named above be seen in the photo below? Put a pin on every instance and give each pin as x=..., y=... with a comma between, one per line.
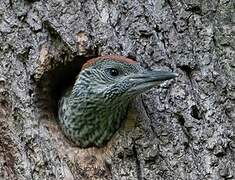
x=183, y=129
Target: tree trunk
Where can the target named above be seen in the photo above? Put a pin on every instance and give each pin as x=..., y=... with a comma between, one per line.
x=183, y=129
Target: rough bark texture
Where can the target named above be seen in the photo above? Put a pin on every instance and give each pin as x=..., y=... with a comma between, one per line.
x=184, y=128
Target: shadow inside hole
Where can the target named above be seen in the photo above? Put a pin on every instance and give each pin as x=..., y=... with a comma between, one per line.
x=56, y=81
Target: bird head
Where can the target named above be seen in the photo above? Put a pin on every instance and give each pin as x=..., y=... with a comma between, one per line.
x=116, y=76
x=93, y=111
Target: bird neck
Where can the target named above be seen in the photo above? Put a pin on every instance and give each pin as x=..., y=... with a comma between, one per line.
x=94, y=119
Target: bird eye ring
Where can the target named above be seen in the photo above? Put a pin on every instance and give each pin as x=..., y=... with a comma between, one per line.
x=113, y=72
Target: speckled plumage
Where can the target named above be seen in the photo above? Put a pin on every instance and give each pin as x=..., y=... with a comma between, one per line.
x=93, y=110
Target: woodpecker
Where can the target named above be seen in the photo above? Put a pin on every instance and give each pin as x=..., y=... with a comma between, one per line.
x=94, y=108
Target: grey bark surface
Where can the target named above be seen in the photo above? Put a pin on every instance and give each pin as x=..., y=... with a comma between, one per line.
x=184, y=128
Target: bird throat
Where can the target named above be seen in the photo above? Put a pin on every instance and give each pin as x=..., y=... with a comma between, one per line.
x=94, y=122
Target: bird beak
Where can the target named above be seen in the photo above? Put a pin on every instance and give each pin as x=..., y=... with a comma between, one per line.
x=148, y=79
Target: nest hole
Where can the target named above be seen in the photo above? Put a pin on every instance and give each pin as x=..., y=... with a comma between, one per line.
x=55, y=82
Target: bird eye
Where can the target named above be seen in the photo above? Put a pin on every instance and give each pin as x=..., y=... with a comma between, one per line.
x=113, y=72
